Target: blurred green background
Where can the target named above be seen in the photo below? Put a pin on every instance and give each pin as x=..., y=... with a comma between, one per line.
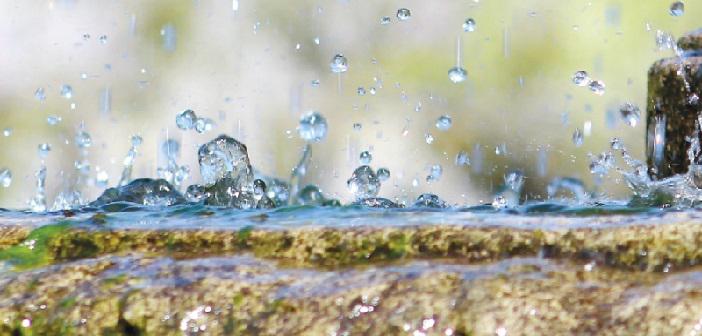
x=239, y=64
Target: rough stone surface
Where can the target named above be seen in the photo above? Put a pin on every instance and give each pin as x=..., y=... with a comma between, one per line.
x=557, y=278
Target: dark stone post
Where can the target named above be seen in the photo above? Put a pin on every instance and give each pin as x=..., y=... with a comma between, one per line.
x=674, y=88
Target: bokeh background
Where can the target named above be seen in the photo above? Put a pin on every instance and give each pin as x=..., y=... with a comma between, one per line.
x=249, y=66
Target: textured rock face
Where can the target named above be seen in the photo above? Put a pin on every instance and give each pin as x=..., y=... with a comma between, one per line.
x=673, y=103
x=517, y=275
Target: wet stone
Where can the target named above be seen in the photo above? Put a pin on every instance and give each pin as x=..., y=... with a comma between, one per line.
x=670, y=115
x=524, y=275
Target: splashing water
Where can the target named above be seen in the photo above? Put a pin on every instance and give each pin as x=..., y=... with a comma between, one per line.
x=403, y=14
x=469, y=25
x=364, y=183
x=128, y=162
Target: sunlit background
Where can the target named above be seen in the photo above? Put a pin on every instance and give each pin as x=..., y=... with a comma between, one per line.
x=250, y=66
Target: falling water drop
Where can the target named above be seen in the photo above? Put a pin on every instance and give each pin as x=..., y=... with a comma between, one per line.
x=383, y=174
x=469, y=25
x=630, y=113
x=581, y=78
x=443, y=123
x=403, y=14
x=5, y=177
x=66, y=91
x=186, y=120
x=39, y=94
x=312, y=127
x=83, y=139
x=103, y=39
x=365, y=158
x=385, y=20
x=457, y=74
x=361, y=91
x=339, y=64
x=428, y=138
x=7, y=131
x=577, y=137
x=435, y=172
x=203, y=125
x=597, y=86
x=462, y=159
x=44, y=150
x=677, y=8
x=53, y=120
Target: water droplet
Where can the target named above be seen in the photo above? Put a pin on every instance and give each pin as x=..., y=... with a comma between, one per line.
x=316, y=40
x=630, y=113
x=137, y=140
x=361, y=91
x=428, y=138
x=664, y=40
x=677, y=8
x=600, y=164
x=578, y=138
x=259, y=189
x=339, y=64
x=365, y=158
x=385, y=20
x=443, y=123
x=469, y=25
x=693, y=99
x=44, y=150
x=5, y=177
x=315, y=83
x=103, y=39
x=7, y=131
x=195, y=193
x=514, y=181
x=102, y=178
x=435, y=172
x=86, y=36
x=83, y=139
x=383, y=174
x=462, y=159
x=499, y=202
x=53, y=120
x=203, y=125
x=357, y=127
x=457, y=74
x=580, y=78
x=66, y=91
x=597, y=86
x=39, y=94
x=616, y=144
x=429, y=201
x=313, y=127
x=372, y=91
x=363, y=183
x=186, y=120
x=403, y=14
